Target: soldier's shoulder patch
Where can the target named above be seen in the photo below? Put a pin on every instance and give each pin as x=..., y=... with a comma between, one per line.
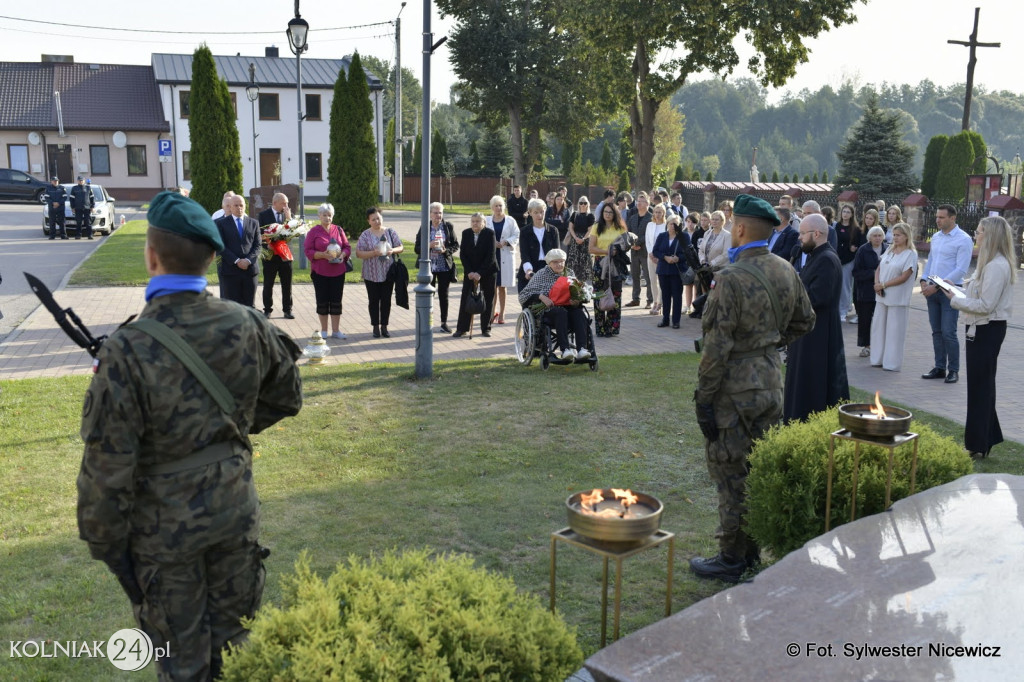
x=95, y=365
x=712, y=284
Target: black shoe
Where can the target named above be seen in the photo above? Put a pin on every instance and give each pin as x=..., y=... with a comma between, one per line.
x=718, y=567
x=52, y=238
x=952, y=377
x=663, y=323
x=487, y=334
x=266, y=313
x=445, y=329
x=78, y=237
x=384, y=331
x=289, y=316
x=675, y=326
x=64, y=237
x=89, y=237
x=936, y=373
x=376, y=332
x=458, y=335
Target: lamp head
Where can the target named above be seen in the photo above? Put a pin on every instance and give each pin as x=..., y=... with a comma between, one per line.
x=298, y=30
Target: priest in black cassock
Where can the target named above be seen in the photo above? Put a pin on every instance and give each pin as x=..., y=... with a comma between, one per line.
x=816, y=367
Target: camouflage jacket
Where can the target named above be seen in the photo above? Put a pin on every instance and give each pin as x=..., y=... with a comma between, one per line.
x=739, y=321
x=145, y=408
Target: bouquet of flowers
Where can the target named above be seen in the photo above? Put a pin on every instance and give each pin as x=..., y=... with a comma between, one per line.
x=276, y=236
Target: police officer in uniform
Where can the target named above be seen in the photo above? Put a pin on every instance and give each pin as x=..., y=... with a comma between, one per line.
x=756, y=304
x=55, y=198
x=82, y=202
x=165, y=493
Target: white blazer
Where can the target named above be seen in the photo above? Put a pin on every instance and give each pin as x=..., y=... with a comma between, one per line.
x=508, y=256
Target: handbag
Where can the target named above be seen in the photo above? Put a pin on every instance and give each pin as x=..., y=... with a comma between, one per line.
x=607, y=301
x=475, y=303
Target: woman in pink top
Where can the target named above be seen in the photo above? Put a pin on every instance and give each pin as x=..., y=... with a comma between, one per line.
x=328, y=251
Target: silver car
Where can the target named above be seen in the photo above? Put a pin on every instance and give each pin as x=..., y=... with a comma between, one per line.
x=102, y=212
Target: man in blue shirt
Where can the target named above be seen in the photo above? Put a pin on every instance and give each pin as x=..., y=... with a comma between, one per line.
x=948, y=258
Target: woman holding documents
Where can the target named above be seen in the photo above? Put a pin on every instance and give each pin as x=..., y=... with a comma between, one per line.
x=894, y=284
x=986, y=307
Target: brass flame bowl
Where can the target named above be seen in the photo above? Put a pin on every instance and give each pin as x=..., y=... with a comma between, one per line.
x=858, y=420
x=643, y=521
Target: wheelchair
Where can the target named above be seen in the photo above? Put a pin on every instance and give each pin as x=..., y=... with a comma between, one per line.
x=535, y=338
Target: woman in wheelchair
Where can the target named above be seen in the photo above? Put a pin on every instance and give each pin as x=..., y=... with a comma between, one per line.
x=558, y=317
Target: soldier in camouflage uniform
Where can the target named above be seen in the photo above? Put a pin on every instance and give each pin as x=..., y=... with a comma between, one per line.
x=165, y=494
x=739, y=386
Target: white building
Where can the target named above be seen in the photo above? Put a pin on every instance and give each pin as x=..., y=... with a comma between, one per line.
x=268, y=128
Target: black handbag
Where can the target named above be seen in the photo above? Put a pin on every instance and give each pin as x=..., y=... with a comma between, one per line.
x=475, y=303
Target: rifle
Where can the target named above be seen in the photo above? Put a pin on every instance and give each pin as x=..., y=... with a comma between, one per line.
x=73, y=327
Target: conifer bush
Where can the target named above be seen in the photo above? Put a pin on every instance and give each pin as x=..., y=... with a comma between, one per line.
x=404, y=616
x=786, y=487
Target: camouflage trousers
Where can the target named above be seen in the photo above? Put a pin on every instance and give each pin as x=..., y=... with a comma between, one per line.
x=194, y=603
x=728, y=467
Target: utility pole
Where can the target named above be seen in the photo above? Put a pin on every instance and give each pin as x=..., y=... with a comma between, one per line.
x=971, y=43
x=399, y=170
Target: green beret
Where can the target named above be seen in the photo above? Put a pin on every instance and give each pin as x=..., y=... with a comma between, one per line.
x=172, y=212
x=755, y=208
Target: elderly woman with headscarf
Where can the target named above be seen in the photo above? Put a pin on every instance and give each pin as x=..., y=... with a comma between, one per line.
x=561, y=317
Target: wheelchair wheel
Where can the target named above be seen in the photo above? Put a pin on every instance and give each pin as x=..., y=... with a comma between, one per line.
x=593, y=365
x=545, y=361
x=526, y=336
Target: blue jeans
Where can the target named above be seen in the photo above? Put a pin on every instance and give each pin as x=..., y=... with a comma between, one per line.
x=943, y=319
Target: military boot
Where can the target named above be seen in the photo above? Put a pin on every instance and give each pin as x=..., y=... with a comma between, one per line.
x=719, y=567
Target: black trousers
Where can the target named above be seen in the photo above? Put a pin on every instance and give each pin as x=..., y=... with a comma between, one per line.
x=560, y=318
x=57, y=218
x=273, y=268
x=327, y=291
x=83, y=217
x=865, y=313
x=239, y=289
x=487, y=289
x=442, y=280
x=671, y=297
x=378, y=295
x=981, y=431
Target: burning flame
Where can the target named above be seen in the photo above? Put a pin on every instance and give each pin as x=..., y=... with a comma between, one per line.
x=589, y=502
x=877, y=408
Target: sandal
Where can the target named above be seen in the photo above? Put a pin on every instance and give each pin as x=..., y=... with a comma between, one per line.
x=495, y=318
x=501, y=320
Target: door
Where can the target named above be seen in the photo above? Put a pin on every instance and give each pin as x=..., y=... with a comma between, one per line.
x=59, y=156
x=270, y=167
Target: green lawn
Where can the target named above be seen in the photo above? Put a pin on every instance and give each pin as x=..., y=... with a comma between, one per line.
x=120, y=262
x=480, y=459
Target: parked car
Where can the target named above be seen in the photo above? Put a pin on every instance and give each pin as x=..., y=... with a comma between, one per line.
x=15, y=184
x=102, y=212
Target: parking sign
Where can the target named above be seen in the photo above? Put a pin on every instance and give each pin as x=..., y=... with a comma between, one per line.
x=165, y=147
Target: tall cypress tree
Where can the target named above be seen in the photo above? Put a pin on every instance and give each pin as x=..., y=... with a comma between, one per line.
x=572, y=155
x=337, y=152
x=438, y=153
x=932, y=161
x=606, y=157
x=980, y=152
x=957, y=160
x=359, y=171
x=216, y=164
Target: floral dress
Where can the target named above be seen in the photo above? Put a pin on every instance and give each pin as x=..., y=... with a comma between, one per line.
x=578, y=258
x=607, y=322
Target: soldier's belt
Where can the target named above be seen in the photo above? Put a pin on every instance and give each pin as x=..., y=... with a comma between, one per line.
x=211, y=453
x=758, y=353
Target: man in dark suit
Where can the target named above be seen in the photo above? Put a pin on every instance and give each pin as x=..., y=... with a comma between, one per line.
x=534, y=242
x=784, y=237
x=279, y=213
x=239, y=266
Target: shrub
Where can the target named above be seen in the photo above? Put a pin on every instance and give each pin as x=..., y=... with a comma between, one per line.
x=404, y=616
x=789, y=472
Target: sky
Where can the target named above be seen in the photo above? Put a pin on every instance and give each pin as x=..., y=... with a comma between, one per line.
x=899, y=41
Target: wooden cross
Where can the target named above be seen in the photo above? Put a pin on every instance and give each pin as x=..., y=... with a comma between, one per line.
x=972, y=43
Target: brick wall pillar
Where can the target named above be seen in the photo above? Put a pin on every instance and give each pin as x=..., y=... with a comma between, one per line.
x=914, y=214
x=710, y=204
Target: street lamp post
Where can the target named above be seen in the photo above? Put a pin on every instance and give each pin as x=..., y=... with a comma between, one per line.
x=298, y=29
x=252, y=92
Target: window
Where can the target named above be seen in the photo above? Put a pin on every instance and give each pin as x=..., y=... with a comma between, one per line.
x=312, y=107
x=17, y=156
x=99, y=159
x=314, y=167
x=186, y=166
x=137, y=159
x=184, y=110
x=270, y=110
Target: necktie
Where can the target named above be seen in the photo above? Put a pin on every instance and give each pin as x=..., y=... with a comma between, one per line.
x=277, y=218
x=241, y=232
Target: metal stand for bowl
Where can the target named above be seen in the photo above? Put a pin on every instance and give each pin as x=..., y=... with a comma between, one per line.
x=618, y=552
x=889, y=444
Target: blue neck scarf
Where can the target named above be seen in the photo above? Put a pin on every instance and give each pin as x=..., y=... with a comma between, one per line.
x=735, y=251
x=163, y=285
